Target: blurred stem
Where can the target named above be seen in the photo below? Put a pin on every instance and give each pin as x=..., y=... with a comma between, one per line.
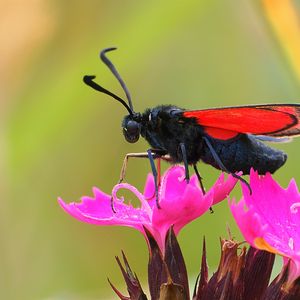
x=283, y=18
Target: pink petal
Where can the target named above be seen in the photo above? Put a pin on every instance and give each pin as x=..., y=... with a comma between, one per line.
x=149, y=190
x=180, y=203
x=244, y=217
x=221, y=189
x=98, y=211
x=272, y=214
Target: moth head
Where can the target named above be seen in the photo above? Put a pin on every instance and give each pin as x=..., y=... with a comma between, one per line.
x=132, y=128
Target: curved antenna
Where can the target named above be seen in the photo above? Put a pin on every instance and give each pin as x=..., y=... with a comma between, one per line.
x=88, y=79
x=112, y=68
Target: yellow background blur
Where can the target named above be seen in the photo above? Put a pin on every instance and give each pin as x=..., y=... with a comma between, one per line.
x=58, y=137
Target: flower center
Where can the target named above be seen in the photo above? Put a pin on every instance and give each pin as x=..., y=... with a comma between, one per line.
x=294, y=207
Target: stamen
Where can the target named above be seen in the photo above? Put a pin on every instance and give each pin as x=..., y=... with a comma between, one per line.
x=294, y=207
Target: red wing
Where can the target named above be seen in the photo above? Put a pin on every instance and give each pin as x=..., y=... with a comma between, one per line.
x=275, y=120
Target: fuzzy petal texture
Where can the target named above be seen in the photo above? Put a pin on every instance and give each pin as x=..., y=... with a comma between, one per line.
x=269, y=219
x=180, y=203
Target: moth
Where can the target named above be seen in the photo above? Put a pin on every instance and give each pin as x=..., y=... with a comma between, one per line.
x=228, y=138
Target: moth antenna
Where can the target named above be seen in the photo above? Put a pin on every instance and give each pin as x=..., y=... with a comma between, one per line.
x=89, y=80
x=112, y=68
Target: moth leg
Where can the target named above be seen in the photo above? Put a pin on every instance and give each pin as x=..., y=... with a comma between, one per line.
x=123, y=170
x=166, y=158
x=185, y=162
x=199, y=179
x=125, y=162
x=151, y=154
x=201, y=184
x=158, y=167
x=156, y=154
x=221, y=165
x=155, y=174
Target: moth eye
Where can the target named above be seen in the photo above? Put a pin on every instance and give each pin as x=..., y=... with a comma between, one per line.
x=132, y=127
x=132, y=131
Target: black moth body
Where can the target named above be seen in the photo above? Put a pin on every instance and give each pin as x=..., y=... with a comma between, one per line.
x=164, y=127
x=228, y=138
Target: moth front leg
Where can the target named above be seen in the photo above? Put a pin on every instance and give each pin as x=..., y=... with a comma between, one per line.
x=185, y=162
x=156, y=153
x=125, y=162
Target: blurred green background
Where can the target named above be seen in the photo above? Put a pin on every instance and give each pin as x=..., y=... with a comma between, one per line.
x=60, y=138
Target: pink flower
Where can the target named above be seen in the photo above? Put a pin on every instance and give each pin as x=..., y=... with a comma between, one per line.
x=180, y=203
x=269, y=219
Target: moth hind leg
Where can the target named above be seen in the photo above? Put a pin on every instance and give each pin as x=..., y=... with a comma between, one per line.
x=201, y=184
x=222, y=167
x=199, y=179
